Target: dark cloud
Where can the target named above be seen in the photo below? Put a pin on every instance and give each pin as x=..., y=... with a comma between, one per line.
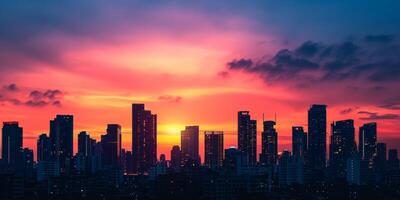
x=35, y=98
x=11, y=87
x=169, y=98
x=348, y=110
x=392, y=106
x=376, y=116
x=241, y=64
x=314, y=62
x=379, y=38
x=308, y=49
x=223, y=74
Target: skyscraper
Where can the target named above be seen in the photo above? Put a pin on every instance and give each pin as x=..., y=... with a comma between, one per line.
x=213, y=148
x=111, y=146
x=84, y=144
x=317, y=139
x=247, y=136
x=144, y=138
x=44, y=148
x=61, y=135
x=299, y=141
x=393, y=160
x=342, y=146
x=269, y=144
x=190, y=145
x=175, y=158
x=367, y=141
x=11, y=142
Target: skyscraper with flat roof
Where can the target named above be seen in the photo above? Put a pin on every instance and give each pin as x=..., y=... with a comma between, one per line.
x=213, y=148
x=342, y=147
x=299, y=141
x=247, y=136
x=44, y=148
x=144, y=138
x=61, y=136
x=269, y=143
x=190, y=144
x=175, y=158
x=11, y=142
x=317, y=139
x=111, y=146
x=367, y=141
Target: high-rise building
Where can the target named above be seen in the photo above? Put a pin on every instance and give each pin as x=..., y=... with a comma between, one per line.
x=27, y=162
x=342, y=147
x=247, y=136
x=269, y=144
x=213, y=148
x=44, y=148
x=111, y=146
x=190, y=145
x=317, y=139
x=235, y=160
x=11, y=142
x=85, y=144
x=367, y=141
x=291, y=169
x=299, y=141
x=175, y=158
x=61, y=135
x=144, y=138
x=380, y=158
x=393, y=160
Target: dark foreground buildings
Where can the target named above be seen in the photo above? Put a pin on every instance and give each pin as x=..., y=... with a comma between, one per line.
x=104, y=170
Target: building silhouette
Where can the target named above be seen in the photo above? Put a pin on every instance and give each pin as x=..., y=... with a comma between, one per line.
x=11, y=143
x=317, y=140
x=61, y=136
x=144, y=138
x=176, y=158
x=85, y=144
x=393, y=160
x=299, y=141
x=213, y=148
x=367, y=141
x=269, y=144
x=111, y=146
x=342, y=147
x=44, y=148
x=380, y=161
x=247, y=136
x=190, y=145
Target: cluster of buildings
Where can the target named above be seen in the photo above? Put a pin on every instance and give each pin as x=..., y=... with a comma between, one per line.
x=99, y=165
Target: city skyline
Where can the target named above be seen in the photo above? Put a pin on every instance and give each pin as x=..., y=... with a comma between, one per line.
x=260, y=144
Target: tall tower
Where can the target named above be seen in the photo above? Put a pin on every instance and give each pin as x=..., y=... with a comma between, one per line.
x=247, y=136
x=144, y=138
x=367, y=141
x=213, y=148
x=61, y=136
x=342, y=146
x=111, y=146
x=269, y=145
x=190, y=145
x=11, y=142
x=176, y=158
x=299, y=141
x=44, y=148
x=317, y=139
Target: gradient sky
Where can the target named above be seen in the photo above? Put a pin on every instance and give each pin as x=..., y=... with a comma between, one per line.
x=198, y=63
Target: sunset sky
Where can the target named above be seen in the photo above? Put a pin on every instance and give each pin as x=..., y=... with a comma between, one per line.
x=198, y=63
